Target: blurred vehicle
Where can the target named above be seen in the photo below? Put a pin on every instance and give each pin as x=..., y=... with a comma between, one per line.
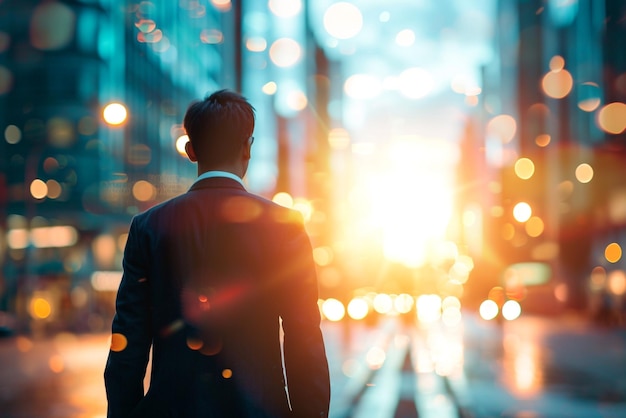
x=525, y=288
x=535, y=287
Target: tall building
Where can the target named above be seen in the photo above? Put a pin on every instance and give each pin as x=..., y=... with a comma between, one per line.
x=92, y=98
x=74, y=169
x=553, y=139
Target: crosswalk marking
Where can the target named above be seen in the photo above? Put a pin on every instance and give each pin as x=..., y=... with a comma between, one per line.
x=431, y=396
x=342, y=403
x=381, y=398
x=377, y=393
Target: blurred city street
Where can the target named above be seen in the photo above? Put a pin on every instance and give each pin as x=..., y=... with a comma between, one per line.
x=460, y=169
x=531, y=367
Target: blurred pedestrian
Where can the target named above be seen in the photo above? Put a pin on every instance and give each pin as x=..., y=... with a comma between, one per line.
x=209, y=279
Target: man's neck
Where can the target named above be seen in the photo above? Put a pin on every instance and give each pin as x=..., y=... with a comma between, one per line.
x=225, y=168
x=218, y=173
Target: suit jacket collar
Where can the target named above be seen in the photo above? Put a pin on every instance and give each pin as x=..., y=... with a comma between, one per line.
x=216, y=183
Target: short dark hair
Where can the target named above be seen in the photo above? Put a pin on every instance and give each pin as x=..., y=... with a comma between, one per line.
x=218, y=125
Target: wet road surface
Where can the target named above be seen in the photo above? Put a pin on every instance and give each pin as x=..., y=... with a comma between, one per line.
x=529, y=368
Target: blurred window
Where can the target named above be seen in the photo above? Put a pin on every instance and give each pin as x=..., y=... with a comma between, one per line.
x=87, y=31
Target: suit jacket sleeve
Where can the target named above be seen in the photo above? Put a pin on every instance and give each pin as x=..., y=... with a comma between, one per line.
x=131, y=331
x=305, y=357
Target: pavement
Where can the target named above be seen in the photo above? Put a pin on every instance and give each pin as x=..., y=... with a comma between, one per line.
x=548, y=367
x=532, y=367
x=562, y=366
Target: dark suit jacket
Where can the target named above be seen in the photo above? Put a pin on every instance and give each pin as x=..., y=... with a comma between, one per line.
x=207, y=277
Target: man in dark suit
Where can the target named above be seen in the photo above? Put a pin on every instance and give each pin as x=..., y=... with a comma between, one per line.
x=212, y=280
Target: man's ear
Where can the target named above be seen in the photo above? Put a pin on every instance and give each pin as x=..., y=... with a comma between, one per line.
x=247, y=150
x=191, y=153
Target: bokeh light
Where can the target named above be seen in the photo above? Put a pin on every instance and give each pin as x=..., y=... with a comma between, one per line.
x=405, y=37
x=323, y=256
x=543, y=140
x=502, y=127
x=524, y=168
x=270, y=88
x=612, y=118
x=428, y=308
x=358, y=308
x=383, y=304
x=256, y=44
x=283, y=199
x=118, y=342
x=53, y=236
x=375, y=357
x=403, y=303
x=52, y=26
x=557, y=63
x=211, y=36
x=508, y=231
x=343, y=20
x=114, y=113
x=558, y=82
x=56, y=363
x=285, y=8
x=362, y=86
x=297, y=100
x=222, y=5
x=285, y=52
x=450, y=302
x=54, y=189
x=588, y=96
x=144, y=191
x=613, y=252
x=104, y=250
x=584, y=173
x=522, y=212
x=416, y=82
x=451, y=316
x=40, y=308
x=38, y=189
x=181, y=142
x=333, y=309
x=617, y=282
x=497, y=293
x=488, y=309
x=598, y=278
x=534, y=226
x=511, y=310
x=145, y=25
x=12, y=134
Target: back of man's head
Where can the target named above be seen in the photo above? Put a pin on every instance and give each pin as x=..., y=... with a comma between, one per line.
x=218, y=125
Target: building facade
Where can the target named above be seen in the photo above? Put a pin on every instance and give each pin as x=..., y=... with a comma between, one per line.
x=552, y=139
x=72, y=170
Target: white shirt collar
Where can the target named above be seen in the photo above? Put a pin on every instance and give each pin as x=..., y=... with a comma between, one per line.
x=216, y=173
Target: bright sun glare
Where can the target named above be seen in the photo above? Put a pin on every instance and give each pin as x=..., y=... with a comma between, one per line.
x=409, y=202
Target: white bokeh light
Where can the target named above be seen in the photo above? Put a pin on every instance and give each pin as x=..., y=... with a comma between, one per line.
x=362, y=86
x=488, y=309
x=343, y=20
x=285, y=52
x=416, y=83
x=511, y=310
x=285, y=8
x=405, y=37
